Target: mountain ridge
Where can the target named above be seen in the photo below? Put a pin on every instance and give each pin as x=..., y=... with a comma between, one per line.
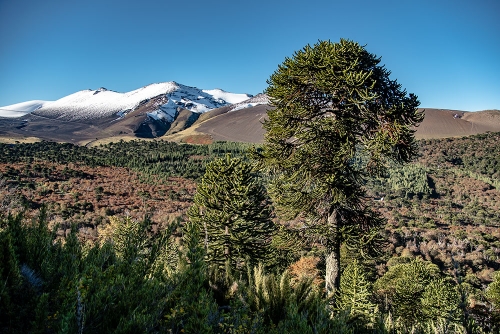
x=173, y=111
x=147, y=112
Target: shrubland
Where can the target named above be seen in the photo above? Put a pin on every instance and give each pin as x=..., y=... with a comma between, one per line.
x=130, y=266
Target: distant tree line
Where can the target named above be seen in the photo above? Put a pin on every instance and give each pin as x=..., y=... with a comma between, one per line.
x=160, y=158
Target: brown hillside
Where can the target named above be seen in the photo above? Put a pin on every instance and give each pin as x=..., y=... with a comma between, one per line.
x=441, y=123
x=489, y=119
x=243, y=125
x=212, y=113
x=135, y=124
x=246, y=125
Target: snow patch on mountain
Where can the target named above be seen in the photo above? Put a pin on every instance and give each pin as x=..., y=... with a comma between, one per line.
x=21, y=109
x=230, y=98
x=195, y=100
x=251, y=102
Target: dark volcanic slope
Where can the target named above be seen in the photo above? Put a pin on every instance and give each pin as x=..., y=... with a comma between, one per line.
x=70, y=131
x=243, y=125
x=50, y=129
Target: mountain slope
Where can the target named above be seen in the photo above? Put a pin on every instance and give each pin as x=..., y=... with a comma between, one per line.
x=441, y=123
x=245, y=125
x=21, y=109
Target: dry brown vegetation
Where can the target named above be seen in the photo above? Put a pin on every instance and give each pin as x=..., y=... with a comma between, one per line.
x=456, y=224
x=87, y=196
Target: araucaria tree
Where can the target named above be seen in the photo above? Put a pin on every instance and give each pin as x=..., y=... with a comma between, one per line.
x=231, y=211
x=336, y=118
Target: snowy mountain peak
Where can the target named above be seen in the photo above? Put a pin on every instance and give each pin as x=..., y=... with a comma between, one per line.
x=166, y=98
x=102, y=89
x=195, y=100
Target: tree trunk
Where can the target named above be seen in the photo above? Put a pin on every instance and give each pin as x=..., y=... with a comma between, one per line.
x=332, y=275
x=206, y=235
x=226, y=246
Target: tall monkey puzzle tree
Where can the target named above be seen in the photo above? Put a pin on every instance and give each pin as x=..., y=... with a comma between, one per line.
x=231, y=211
x=332, y=103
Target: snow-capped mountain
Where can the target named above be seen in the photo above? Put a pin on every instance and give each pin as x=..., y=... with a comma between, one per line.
x=152, y=111
x=168, y=98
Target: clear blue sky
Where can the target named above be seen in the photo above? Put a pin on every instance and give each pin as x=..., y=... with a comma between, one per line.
x=445, y=51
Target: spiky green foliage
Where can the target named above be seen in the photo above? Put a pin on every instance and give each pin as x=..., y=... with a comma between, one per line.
x=410, y=180
x=126, y=284
x=493, y=291
x=273, y=296
x=493, y=295
x=415, y=292
x=10, y=278
x=332, y=102
x=232, y=214
x=354, y=295
x=440, y=301
x=81, y=288
x=286, y=247
x=127, y=236
x=192, y=308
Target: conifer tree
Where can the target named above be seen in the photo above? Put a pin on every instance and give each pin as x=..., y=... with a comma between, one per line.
x=416, y=292
x=231, y=211
x=10, y=278
x=354, y=294
x=493, y=291
x=332, y=103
